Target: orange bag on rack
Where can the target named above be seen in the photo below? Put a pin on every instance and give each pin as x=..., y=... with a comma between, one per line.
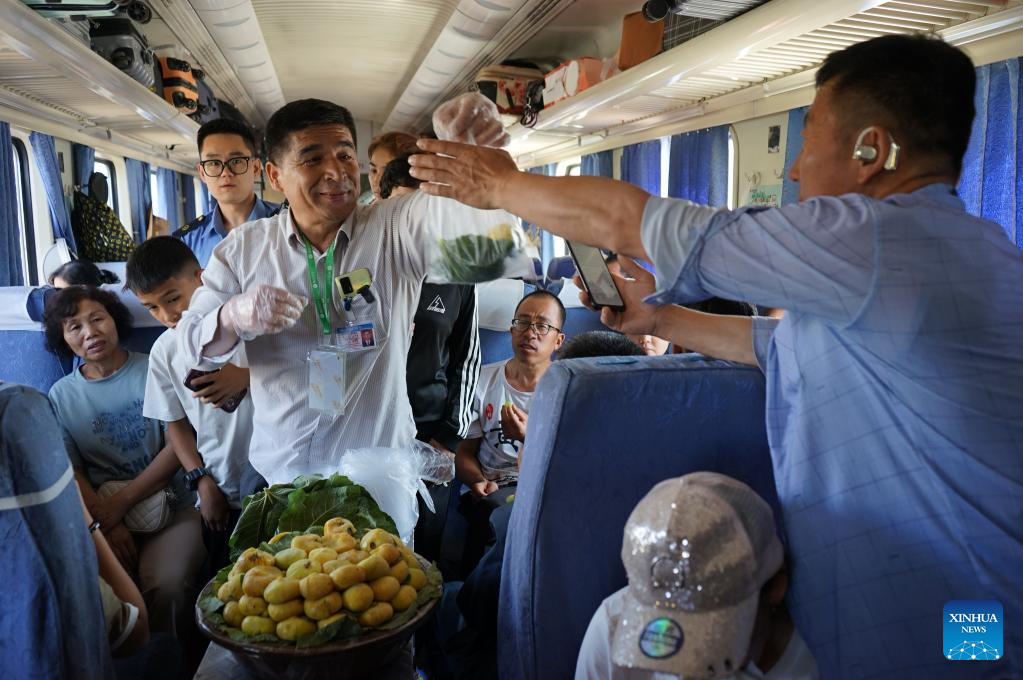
x=179, y=87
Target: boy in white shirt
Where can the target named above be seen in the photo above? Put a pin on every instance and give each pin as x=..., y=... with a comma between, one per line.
x=706, y=593
x=210, y=423
x=487, y=460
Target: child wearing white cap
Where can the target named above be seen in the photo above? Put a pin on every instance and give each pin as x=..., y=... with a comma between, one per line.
x=706, y=592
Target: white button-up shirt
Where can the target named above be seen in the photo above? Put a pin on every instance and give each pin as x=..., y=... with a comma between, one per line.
x=391, y=240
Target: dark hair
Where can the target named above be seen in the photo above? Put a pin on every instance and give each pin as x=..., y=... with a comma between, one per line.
x=299, y=115
x=919, y=87
x=83, y=273
x=155, y=260
x=599, y=344
x=545, y=293
x=396, y=174
x=396, y=143
x=227, y=126
x=64, y=305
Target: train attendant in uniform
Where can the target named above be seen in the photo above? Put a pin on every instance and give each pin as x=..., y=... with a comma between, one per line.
x=229, y=166
x=317, y=391
x=894, y=379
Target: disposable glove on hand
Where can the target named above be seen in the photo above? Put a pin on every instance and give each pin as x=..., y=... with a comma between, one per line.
x=261, y=311
x=470, y=118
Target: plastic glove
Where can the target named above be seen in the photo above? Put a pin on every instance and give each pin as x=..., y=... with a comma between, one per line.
x=470, y=118
x=261, y=311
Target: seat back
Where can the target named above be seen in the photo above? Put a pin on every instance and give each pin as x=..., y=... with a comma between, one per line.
x=602, y=433
x=24, y=357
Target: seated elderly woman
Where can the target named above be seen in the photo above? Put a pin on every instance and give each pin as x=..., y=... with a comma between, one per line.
x=123, y=469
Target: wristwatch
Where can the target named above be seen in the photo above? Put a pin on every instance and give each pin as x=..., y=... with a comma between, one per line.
x=192, y=477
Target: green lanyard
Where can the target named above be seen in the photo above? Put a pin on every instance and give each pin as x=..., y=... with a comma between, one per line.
x=325, y=299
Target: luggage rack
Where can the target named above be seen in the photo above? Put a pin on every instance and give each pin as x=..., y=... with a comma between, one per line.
x=53, y=83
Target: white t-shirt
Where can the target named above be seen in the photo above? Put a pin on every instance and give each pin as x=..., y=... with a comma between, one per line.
x=498, y=454
x=221, y=438
x=796, y=663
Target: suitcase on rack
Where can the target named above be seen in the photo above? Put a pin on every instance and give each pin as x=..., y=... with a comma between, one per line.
x=178, y=84
x=506, y=86
x=55, y=9
x=208, y=108
x=119, y=42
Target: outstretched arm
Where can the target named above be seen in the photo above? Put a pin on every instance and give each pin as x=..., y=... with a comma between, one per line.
x=592, y=210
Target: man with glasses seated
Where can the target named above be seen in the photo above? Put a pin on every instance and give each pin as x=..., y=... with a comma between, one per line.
x=487, y=460
x=229, y=166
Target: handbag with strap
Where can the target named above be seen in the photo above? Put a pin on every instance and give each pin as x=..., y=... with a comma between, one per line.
x=148, y=515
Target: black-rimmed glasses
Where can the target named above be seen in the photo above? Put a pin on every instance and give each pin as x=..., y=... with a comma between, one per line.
x=542, y=329
x=238, y=165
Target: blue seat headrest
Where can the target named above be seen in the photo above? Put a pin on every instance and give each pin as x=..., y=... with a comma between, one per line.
x=560, y=268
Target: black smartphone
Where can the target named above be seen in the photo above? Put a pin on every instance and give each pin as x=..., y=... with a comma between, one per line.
x=589, y=262
x=232, y=402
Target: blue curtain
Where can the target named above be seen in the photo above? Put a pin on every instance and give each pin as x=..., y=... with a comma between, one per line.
x=793, y=145
x=641, y=165
x=698, y=166
x=546, y=239
x=991, y=183
x=600, y=164
x=84, y=163
x=44, y=151
x=206, y=205
x=10, y=238
x=139, y=196
x=188, y=191
x=169, y=197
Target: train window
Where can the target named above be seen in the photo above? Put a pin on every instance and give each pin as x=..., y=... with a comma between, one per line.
x=106, y=168
x=154, y=194
x=23, y=190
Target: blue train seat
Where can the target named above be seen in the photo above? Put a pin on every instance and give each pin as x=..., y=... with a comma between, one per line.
x=559, y=270
x=24, y=358
x=496, y=301
x=602, y=433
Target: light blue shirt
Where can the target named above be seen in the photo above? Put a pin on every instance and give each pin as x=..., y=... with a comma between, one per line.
x=204, y=233
x=894, y=389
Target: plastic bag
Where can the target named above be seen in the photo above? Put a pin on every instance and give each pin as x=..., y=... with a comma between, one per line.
x=470, y=118
x=393, y=476
x=475, y=246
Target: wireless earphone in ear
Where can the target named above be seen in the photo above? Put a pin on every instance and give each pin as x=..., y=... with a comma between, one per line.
x=868, y=153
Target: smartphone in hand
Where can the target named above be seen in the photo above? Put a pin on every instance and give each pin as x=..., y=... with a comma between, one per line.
x=232, y=402
x=599, y=283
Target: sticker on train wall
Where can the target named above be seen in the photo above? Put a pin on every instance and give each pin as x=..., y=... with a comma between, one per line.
x=768, y=196
x=661, y=638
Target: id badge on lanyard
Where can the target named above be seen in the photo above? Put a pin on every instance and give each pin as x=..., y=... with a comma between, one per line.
x=359, y=333
x=327, y=376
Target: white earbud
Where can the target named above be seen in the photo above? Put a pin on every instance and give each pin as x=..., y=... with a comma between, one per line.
x=868, y=153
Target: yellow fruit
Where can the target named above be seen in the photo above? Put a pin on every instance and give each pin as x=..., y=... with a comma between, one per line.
x=333, y=619
x=340, y=542
x=358, y=598
x=375, y=566
x=375, y=538
x=389, y=552
x=258, y=625
x=285, y=610
x=338, y=525
x=353, y=556
x=307, y=542
x=258, y=578
x=416, y=578
x=232, y=616
x=315, y=586
x=253, y=557
x=404, y=599
x=281, y=590
x=378, y=614
x=299, y=570
x=322, y=555
x=332, y=565
x=347, y=575
x=251, y=606
x=294, y=628
x=385, y=588
x=324, y=607
x=288, y=557
x=400, y=571
x=278, y=537
x=231, y=589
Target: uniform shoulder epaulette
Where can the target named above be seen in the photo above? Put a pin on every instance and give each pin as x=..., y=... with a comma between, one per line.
x=197, y=222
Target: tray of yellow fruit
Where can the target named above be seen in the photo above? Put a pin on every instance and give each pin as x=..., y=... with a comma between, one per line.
x=335, y=599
